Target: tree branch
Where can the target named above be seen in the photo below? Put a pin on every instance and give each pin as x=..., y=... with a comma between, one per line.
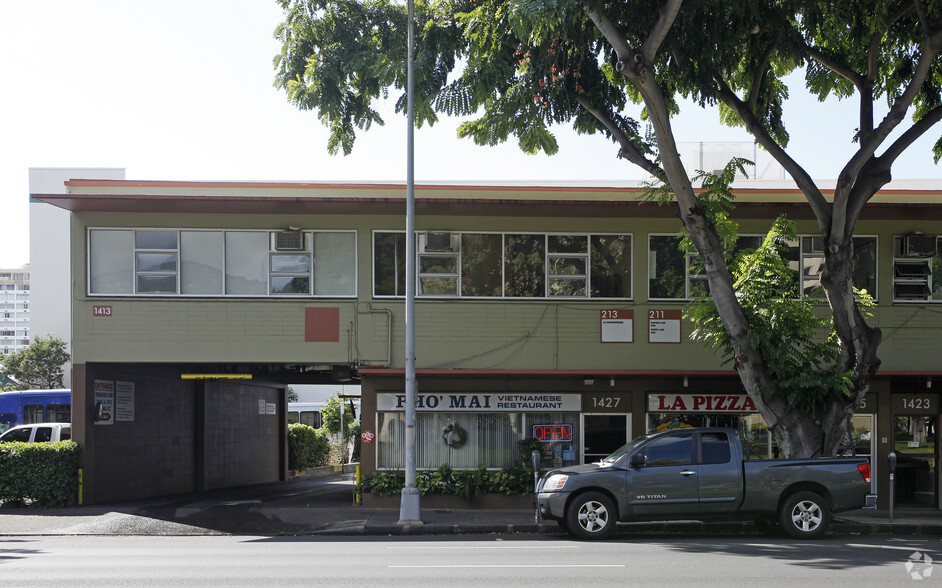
x=910, y=136
x=628, y=149
x=611, y=33
x=839, y=68
x=868, y=145
x=760, y=71
x=666, y=15
x=819, y=205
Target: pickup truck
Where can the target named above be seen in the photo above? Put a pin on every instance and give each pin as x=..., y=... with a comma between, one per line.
x=700, y=474
x=38, y=433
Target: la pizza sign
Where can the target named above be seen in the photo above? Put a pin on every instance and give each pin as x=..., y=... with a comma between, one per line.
x=701, y=403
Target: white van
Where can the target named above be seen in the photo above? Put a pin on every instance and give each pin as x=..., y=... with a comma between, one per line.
x=38, y=433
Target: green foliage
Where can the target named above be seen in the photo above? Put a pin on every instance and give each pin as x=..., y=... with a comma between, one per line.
x=307, y=447
x=528, y=446
x=331, y=414
x=292, y=394
x=800, y=347
x=44, y=473
x=39, y=365
x=515, y=479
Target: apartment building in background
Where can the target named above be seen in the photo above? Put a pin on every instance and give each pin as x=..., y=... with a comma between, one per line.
x=14, y=309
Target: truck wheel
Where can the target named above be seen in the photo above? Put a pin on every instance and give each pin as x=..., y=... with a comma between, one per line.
x=591, y=516
x=805, y=515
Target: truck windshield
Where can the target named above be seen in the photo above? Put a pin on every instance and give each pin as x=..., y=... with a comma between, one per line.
x=626, y=448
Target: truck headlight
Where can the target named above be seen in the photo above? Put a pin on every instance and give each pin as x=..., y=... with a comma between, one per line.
x=555, y=482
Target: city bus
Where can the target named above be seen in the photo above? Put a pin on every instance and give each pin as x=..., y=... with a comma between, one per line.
x=306, y=413
x=26, y=407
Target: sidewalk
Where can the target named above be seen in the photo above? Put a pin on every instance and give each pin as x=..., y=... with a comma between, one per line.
x=323, y=507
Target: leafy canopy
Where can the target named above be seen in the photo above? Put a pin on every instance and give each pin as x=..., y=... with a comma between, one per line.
x=39, y=365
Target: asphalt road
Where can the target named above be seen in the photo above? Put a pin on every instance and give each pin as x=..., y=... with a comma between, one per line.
x=508, y=560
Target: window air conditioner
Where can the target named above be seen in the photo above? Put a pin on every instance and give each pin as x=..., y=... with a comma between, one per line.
x=438, y=242
x=917, y=245
x=292, y=240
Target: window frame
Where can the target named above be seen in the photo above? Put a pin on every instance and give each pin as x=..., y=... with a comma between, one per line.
x=310, y=236
x=459, y=255
x=803, y=254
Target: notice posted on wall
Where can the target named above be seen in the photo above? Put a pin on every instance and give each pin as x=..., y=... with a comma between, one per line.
x=617, y=325
x=104, y=402
x=664, y=326
x=124, y=401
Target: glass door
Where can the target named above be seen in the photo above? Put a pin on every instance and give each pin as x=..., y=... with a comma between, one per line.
x=916, y=460
x=602, y=434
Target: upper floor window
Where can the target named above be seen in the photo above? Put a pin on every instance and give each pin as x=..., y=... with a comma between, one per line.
x=674, y=275
x=221, y=263
x=510, y=265
x=917, y=268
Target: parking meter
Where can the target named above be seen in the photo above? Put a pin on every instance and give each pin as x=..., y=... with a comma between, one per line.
x=892, y=459
x=535, y=458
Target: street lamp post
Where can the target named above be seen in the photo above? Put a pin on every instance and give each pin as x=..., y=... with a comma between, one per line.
x=410, y=512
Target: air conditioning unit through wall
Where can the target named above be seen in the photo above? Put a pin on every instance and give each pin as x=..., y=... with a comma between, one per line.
x=438, y=243
x=917, y=245
x=291, y=240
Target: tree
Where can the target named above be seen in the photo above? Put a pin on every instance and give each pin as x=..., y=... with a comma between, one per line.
x=331, y=412
x=39, y=365
x=292, y=394
x=521, y=66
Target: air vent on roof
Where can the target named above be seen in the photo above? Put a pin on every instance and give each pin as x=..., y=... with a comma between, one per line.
x=289, y=241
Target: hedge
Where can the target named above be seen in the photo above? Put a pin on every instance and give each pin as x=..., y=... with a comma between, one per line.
x=513, y=480
x=44, y=473
x=307, y=447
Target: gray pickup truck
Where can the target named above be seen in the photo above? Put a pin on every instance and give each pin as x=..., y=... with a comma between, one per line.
x=700, y=474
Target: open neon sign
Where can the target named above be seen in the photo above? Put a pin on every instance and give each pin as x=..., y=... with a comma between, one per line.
x=552, y=433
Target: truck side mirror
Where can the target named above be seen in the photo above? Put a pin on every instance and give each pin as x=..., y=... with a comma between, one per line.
x=637, y=460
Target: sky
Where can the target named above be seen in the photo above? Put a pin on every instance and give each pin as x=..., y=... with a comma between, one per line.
x=183, y=90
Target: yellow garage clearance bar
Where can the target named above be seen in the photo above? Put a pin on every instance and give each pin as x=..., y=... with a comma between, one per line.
x=216, y=376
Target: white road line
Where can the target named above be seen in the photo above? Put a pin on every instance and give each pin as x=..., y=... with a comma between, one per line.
x=541, y=566
x=494, y=546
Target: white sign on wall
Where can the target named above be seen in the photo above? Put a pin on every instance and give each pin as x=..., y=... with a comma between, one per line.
x=104, y=402
x=664, y=326
x=617, y=325
x=124, y=401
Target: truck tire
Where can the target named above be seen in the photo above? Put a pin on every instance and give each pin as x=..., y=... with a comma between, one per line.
x=805, y=515
x=591, y=516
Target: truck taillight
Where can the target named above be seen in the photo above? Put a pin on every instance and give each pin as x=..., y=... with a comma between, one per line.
x=865, y=471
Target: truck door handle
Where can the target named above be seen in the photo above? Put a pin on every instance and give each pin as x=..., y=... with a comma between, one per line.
x=687, y=473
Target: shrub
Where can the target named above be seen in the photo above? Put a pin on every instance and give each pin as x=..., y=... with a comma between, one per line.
x=513, y=480
x=307, y=447
x=44, y=473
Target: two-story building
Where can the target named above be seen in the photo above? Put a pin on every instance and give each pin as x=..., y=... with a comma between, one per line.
x=548, y=311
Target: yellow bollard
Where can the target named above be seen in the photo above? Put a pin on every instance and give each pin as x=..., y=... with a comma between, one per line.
x=356, y=489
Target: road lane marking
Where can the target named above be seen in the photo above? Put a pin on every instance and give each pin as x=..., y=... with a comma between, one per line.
x=540, y=566
x=501, y=546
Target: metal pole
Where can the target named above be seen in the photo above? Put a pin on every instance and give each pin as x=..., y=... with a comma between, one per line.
x=410, y=512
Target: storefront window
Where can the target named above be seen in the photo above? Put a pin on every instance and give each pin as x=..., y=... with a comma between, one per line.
x=556, y=452
x=460, y=440
x=466, y=430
